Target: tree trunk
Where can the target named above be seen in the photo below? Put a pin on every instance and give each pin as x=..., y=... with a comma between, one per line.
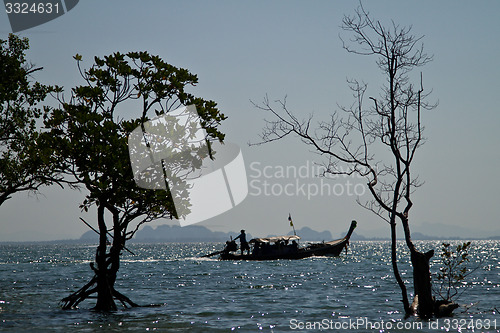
x=105, y=300
x=108, y=264
x=424, y=302
x=394, y=260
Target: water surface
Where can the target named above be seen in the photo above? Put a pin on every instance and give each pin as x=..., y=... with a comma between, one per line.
x=192, y=294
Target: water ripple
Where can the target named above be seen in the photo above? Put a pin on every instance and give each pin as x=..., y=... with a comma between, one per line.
x=194, y=294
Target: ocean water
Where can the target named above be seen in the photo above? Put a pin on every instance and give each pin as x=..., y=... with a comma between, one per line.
x=354, y=292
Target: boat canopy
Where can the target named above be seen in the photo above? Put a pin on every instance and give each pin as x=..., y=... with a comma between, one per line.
x=274, y=239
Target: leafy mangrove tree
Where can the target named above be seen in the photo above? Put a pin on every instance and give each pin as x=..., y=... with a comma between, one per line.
x=120, y=93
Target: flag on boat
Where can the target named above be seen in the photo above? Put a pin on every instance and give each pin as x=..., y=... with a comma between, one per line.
x=290, y=219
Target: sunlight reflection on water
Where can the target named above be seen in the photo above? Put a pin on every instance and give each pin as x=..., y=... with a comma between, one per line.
x=196, y=294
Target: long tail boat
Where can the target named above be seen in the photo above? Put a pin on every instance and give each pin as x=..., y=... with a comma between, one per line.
x=284, y=247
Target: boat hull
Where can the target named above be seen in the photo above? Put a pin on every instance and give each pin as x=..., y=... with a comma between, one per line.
x=274, y=248
x=314, y=250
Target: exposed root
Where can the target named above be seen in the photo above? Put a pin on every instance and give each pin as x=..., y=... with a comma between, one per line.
x=445, y=308
x=77, y=297
x=86, y=291
x=124, y=299
x=440, y=308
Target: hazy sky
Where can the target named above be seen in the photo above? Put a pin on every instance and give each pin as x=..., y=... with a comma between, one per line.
x=243, y=50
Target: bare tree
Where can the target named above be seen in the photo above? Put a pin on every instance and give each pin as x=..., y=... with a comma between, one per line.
x=355, y=138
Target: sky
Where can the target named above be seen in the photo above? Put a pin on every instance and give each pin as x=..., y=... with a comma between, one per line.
x=245, y=50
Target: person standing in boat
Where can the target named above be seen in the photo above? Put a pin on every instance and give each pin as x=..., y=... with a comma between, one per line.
x=243, y=242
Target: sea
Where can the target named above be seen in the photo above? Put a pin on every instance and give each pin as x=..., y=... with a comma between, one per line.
x=181, y=292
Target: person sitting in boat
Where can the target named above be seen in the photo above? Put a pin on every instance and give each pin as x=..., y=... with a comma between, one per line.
x=256, y=249
x=243, y=242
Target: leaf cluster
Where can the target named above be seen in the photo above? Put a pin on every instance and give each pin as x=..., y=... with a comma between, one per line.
x=26, y=162
x=453, y=271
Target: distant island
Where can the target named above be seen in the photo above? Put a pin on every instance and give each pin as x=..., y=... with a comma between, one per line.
x=196, y=233
x=172, y=233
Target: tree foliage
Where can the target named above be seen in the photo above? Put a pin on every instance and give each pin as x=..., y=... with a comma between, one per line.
x=453, y=272
x=26, y=161
x=121, y=93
